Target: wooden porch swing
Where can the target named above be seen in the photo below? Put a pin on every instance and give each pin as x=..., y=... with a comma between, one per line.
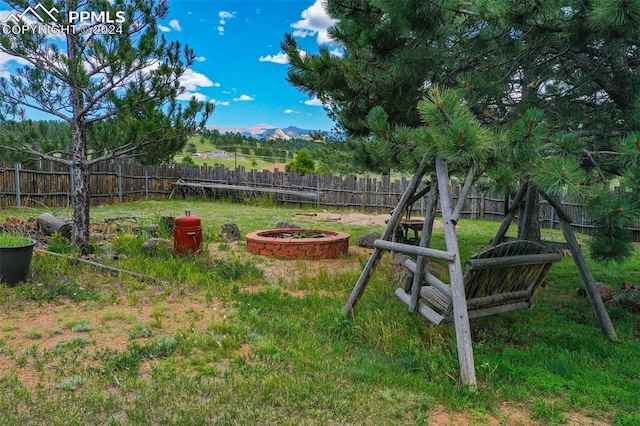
x=503, y=278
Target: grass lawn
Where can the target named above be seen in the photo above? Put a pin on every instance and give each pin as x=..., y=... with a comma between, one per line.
x=230, y=338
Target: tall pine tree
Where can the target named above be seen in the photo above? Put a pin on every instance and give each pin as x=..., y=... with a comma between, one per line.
x=128, y=77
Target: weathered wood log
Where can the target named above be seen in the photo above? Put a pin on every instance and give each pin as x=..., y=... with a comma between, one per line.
x=581, y=263
x=459, y=301
x=108, y=268
x=49, y=224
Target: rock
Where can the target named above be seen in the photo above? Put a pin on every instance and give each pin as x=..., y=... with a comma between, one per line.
x=606, y=292
x=367, y=240
x=627, y=285
x=283, y=225
x=153, y=245
x=229, y=232
x=628, y=299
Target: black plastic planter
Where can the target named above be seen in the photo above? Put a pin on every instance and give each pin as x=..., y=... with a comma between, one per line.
x=15, y=262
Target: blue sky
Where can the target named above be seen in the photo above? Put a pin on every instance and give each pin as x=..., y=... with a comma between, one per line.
x=240, y=66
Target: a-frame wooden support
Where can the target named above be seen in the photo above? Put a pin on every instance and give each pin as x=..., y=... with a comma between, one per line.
x=456, y=290
x=530, y=192
x=450, y=215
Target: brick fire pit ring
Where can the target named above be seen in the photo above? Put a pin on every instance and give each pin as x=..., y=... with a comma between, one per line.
x=296, y=243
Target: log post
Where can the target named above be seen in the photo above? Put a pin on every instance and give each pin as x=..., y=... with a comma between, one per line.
x=363, y=280
x=459, y=300
x=583, y=268
x=425, y=241
x=49, y=224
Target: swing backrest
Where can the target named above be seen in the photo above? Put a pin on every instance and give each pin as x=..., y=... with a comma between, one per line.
x=506, y=277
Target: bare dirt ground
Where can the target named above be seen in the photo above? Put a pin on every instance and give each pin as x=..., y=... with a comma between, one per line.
x=361, y=219
x=47, y=325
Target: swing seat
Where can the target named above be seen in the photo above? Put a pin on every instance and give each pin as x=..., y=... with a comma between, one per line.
x=501, y=279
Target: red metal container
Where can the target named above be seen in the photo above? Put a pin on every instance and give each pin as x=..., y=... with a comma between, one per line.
x=187, y=234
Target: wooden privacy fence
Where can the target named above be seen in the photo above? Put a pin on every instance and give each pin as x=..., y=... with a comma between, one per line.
x=50, y=184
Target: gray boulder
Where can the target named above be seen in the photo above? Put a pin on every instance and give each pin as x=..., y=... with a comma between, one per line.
x=229, y=232
x=367, y=239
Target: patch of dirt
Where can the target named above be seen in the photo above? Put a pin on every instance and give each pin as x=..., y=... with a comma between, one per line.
x=274, y=166
x=41, y=327
x=510, y=414
x=287, y=272
x=361, y=219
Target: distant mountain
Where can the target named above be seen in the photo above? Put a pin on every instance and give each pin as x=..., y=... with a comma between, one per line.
x=262, y=131
x=277, y=134
x=257, y=131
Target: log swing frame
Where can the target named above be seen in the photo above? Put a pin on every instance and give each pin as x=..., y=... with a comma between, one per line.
x=454, y=295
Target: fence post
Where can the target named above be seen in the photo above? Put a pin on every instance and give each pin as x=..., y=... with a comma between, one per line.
x=120, y=183
x=16, y=182
x=318, y=198
x=146, y=184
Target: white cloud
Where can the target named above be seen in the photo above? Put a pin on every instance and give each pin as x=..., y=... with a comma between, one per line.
x=186, y=96
x=191, y=80
x=200, y=59
x=244, y=98
x=175, y=25
x=278, y=58
x=164, y=29
x=5, y=59
x=290, y=111
x=224, y=17
x=313, y=102
x=222, y=103
x=315, y=22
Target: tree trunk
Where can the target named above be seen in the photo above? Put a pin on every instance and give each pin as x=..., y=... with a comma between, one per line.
x=529, y=223
x=80, y=173
x=80, y=205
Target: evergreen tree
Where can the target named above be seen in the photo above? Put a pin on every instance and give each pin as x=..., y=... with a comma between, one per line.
x=303, y=163
x=129, y=78
x=570, y=69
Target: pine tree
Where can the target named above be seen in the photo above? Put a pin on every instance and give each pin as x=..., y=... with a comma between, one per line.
x=128, y=77
x=570, y=69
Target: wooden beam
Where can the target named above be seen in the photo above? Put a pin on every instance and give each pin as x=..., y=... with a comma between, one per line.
x=527, y=214
x=423, y=310
x=425, y=241
x=415, y=250
x=428, y=277
x=509, y=261
x=583, y=268
x=460, y=314
x=464, y=193
x=508, y=217
x=363, y=280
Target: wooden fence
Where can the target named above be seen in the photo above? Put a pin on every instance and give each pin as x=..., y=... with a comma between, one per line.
x=50, y=184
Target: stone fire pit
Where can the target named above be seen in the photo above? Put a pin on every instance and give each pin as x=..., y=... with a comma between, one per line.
x=296, y=243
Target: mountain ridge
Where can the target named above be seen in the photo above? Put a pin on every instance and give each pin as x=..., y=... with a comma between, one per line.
x=262, y=131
